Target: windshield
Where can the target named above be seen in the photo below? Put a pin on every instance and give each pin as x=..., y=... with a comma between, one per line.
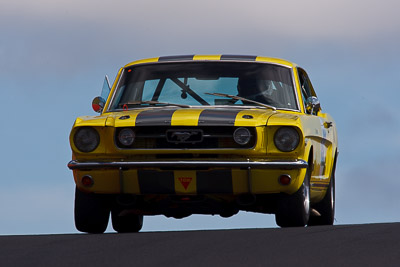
x=200, y=83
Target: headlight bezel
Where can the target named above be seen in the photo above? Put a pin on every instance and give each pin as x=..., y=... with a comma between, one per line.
x=287, y=139
x=86, y=139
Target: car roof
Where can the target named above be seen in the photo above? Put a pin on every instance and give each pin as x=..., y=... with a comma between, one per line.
x=230, y=58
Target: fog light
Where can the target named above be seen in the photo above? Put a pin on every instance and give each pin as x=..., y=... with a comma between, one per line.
x=285, y=179
x=87, y=181
x=126, y=137
x=242, y=136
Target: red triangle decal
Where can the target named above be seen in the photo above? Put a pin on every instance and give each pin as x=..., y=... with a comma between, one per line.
x=185, y=181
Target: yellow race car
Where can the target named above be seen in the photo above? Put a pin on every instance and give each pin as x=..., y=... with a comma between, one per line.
x=204, y=134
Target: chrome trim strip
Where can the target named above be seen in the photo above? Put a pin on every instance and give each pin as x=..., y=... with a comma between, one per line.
x=108, y=82
x=290, y=165
x=295, y=89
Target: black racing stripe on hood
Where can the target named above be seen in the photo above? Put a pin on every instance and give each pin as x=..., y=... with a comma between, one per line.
x=176, y=58
x=155, y=117
x=238, y=57
x=218, y=117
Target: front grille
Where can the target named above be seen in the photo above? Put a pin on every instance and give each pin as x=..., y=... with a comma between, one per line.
x=206, y=137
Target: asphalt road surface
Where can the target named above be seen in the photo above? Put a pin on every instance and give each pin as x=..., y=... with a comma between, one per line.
x=344, y=245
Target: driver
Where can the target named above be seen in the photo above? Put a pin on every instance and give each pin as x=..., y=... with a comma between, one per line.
x=251, y=89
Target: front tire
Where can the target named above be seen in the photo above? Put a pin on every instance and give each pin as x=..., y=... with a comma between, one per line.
x=92, y=212
x=125, y=223
x=294, y=210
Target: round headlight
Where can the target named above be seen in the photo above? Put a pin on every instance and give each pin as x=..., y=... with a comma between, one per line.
x=242, y=136
x=86, y=139
x=286, y=139
x=126, y=137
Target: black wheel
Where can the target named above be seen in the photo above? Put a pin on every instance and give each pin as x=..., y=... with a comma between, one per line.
x=327, y=206
x=125, y=222
x=92, y=212
x=294, y=210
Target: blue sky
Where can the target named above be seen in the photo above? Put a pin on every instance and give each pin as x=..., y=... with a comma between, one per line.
x=54, y=55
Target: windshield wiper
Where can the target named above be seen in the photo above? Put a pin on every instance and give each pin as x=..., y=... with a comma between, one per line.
x=243, y=99
x=156, y=103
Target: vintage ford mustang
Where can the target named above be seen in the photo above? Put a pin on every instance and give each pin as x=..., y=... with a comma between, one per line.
x=204, y=134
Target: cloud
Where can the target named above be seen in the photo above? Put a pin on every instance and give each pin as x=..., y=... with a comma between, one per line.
x=325, y=19
x=73, y=35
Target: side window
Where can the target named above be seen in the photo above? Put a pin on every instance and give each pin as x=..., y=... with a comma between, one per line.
x=306, y=86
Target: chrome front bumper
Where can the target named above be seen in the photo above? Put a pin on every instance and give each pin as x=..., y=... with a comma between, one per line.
x=288, y=165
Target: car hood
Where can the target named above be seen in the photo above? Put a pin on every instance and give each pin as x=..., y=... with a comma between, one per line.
x=183, y=117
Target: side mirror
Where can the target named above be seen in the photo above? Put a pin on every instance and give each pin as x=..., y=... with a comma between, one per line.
x=312, y=105
x=98, y=104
